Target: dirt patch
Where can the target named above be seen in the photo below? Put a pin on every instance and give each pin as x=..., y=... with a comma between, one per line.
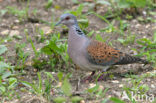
x=11, y=26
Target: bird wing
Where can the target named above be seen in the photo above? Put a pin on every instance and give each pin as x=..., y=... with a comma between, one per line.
x=100, y=53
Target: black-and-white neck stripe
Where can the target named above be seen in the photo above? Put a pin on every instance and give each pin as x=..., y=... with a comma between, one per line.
x=79, y=31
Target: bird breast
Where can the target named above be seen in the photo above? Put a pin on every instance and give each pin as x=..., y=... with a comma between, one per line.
x=77, y=48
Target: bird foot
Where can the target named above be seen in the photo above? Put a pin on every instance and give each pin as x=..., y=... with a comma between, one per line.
x=89, y=78
x=102, y=77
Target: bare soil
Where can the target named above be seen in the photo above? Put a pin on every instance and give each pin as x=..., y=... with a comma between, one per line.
x=115, y=84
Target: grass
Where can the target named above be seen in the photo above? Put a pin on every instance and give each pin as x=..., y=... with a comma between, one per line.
x=53, y=55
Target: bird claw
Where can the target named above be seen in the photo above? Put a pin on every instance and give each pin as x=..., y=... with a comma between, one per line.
x=87, y=79
x=102, y=77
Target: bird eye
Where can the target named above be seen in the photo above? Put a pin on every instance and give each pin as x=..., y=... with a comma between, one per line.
x=67, y=18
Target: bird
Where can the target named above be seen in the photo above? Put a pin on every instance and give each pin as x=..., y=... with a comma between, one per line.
x=89, y=54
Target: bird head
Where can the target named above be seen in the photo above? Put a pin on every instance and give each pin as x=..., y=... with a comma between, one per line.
x=67, y=19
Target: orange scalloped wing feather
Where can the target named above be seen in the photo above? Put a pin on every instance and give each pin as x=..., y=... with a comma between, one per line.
x=101, y=54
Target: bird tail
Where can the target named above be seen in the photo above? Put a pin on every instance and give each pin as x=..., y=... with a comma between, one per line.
x=127, y=59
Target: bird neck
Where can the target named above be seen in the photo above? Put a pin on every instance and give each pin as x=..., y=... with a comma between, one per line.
x=77, y=30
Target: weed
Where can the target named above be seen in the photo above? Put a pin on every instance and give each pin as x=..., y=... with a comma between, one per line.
x=31, y=42
x=38, y=88
x=127, y=40
x=48, y=4
x=7, y=83
x=97, y=91
x=116, y=100
x=148, y=48
x=56, y=51
x=21, y=14
x=67, y=91
x=21, y=56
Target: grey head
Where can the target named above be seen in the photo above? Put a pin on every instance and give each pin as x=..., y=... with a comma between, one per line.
x=67, y=19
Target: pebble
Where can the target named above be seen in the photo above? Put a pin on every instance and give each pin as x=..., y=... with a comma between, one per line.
x=115, y=81
x=27, y=49
x=137, y=25
x=14, y=33
x=118, y=94
x=126, y=79
x=46, y=29
x=91, y=85
x=144, y=13
x=15, y=27
x=82, y=101
x=152, y=86
x=147, y=26
x=134, y=21
x=121, y=85
x=5, y=32
x=17, y=21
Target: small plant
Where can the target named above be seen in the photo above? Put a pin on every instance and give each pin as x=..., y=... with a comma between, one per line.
x=127, y=40
x=56, y=51
x=116, y=100
x=67, y=91
x=148, y=48
x=97, y=91
x=21, y=55
x=40, y=88
x=31, y=42
x=48, y=4
x=21, y=14
x=131, y=3
x=7, y=83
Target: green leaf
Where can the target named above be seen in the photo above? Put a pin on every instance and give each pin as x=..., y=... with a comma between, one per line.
x=154, y=38
x=2, y=89
x=66, y=87
x=50, y=75
x=105, y=101
x=83, y=23
x=79, y=10
x=76, y=99
x=103, y=2
x=3, y=49
x=75, y=1
x=93, y=89
x=12, y=82
x=40, y=81
x=60, y=76
x=47, y=50
x=60, y=100
x=121, y=40
x=49, y=4
x=6, y=74
x=27, y=84
x=99, y=37
x=116, y=100
x=90, y=33
x=3, y=66
x=139, y=3
x=123, y=4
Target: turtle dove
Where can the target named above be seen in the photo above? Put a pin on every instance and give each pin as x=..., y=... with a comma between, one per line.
x=92, y=55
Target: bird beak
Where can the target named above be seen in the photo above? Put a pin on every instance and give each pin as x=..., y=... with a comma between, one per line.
x=58, y=23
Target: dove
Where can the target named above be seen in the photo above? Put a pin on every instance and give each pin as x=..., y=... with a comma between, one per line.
x=89, y=54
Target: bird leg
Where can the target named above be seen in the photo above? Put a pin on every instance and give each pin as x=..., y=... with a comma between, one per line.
x=89, y=78
x=103, y=76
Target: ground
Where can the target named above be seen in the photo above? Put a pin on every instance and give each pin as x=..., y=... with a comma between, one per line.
x=12, y=28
